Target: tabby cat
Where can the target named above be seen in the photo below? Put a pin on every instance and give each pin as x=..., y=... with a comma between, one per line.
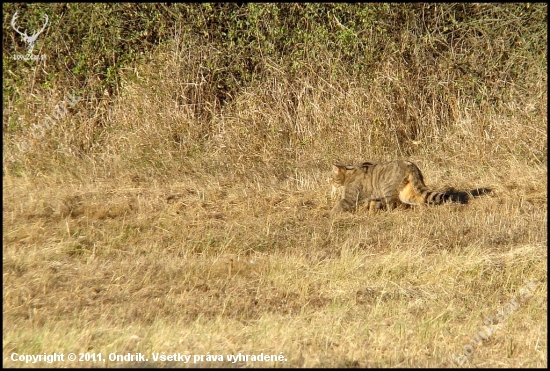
x=382, y=184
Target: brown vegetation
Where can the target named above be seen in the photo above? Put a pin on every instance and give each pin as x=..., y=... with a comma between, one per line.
x=173, y=213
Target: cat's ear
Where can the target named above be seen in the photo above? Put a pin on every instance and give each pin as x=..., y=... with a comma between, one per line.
x=338, y=167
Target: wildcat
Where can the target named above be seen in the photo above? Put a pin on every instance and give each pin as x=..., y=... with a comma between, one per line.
x=382, y=184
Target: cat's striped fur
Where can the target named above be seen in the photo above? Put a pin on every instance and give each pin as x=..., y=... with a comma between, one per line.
x=382, y=185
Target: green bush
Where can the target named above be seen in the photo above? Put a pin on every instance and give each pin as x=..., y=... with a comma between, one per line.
x=428, y=54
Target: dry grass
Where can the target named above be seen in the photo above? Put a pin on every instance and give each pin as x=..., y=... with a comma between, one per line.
x=158, y=232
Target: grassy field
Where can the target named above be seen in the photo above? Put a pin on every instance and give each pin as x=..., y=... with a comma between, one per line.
x=135, y=226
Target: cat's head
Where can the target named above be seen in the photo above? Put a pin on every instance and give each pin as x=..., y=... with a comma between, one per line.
x=338, y=176
x=340, y=173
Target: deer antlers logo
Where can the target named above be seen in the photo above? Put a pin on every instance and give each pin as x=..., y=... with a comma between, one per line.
x=29, y=40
